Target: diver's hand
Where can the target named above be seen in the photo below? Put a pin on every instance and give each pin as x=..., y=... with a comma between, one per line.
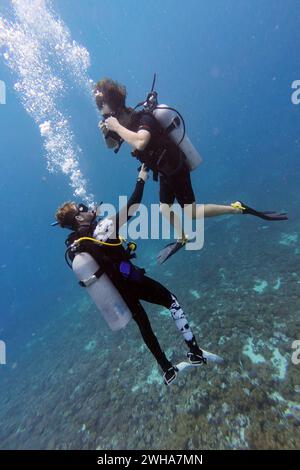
x=112, y=124
x=143, y=174
x=103, y=128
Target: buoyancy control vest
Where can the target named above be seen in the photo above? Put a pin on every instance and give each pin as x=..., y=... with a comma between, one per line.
x=161, y=154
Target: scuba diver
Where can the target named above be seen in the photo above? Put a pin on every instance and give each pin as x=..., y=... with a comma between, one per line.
x=105, y=269
x=157, y=135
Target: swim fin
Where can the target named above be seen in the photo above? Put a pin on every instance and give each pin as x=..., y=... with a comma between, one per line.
x=266, y=215
x=206, y=355
x=170, y=250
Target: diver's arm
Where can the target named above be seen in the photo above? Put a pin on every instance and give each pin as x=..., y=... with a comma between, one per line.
x=123, y=215
x=139, y=140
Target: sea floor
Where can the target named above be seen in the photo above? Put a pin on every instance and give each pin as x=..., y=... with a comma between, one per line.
x=75, y=385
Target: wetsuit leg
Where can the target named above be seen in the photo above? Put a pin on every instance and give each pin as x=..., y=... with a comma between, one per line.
x=151, y=341
x=155, y=293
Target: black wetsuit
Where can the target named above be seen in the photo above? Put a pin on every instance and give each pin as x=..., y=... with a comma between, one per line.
x=166, y=159
x=132, y=291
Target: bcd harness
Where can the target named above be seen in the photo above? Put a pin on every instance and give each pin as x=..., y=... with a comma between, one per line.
x=122, y=266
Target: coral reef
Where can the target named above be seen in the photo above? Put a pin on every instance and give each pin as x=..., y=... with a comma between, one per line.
x=73, y=384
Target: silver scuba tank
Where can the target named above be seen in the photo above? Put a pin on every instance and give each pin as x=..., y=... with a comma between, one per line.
x=104, y=294
x=170, y=120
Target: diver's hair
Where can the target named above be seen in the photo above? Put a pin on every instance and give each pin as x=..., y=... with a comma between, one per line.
x=113, y=92
x=66, y=213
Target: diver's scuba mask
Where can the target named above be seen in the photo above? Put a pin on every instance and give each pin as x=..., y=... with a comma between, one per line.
x=82, y=218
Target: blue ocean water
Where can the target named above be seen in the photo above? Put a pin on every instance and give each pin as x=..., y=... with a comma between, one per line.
x=228, y=66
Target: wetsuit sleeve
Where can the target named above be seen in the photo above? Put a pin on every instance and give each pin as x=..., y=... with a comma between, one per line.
x=122, y=216
x=147, y=123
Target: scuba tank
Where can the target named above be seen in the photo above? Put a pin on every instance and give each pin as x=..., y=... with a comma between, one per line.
x=174, y=126
x=106, y=297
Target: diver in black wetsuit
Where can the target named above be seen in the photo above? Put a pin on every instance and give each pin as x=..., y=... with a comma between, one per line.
x=151, y=146
x=131, y=282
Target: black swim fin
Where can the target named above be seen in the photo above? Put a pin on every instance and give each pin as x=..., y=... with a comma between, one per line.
x=170, y=250
x=266, y=215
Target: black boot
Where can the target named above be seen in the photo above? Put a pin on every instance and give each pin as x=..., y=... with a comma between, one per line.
x=195, y=356
x=170, y=375
x=169, y=371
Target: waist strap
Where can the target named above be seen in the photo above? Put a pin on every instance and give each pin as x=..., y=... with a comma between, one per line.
x=88, y=282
